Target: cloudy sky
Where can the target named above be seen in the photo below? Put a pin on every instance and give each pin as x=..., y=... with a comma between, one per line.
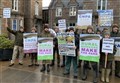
x=46, y=3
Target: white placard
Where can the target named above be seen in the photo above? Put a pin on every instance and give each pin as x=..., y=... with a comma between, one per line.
x=62, y=24
x=6, y=13
x=107, y=45
x=84, y=17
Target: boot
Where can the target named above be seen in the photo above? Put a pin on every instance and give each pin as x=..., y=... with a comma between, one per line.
x=84, y=76
x=43, y=68
x=95, y=77
x=48, y=68
x=103, y=75
x=107, y=75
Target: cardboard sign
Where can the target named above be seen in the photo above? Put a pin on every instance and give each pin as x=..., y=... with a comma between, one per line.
x=66, y=44
x=89, y=47
x=107, y=45
x=62, y=24
x=6, y=13
x=45, y=48
x=84, y=18
x=30, y=42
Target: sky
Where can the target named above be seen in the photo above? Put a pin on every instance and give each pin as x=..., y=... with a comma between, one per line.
x=46, y=3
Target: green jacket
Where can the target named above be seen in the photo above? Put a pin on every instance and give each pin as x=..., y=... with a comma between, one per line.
x=18, y=37
x=46, y=34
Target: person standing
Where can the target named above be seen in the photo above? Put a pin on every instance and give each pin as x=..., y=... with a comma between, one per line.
x=110, y=57
x=115, y=33
x=86, y=63
x=18, y=45
x=55, y=49
x=72, y=59
x=33, y=55
x=46, y=63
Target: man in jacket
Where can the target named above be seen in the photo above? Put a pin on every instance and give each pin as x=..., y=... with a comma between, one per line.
x=115, y=33
x=18, y=45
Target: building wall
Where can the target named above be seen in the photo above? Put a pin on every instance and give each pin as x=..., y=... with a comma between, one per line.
x=82, y=4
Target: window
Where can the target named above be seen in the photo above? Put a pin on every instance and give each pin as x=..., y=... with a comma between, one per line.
x=36, y=8
x=102, y=4
x=14, y=24
x=58, y=12
x=72, y=11
x=15, y=5
x=71, y=24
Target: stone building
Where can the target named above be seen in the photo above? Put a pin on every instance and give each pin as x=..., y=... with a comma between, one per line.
x=67, y=9
x=26, y=13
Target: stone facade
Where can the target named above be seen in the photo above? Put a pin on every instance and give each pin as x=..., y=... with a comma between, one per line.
x=24, y=15
x=80, y=5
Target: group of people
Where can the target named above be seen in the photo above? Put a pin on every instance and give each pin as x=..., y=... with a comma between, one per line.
x=66, y=61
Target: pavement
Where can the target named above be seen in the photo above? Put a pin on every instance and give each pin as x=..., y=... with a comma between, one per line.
x=25, y=74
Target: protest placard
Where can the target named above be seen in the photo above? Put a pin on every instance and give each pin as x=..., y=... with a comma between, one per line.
x=45, y=48
x=84, y=18
x=30, y=42
x=6, y=13
x=89, y=47
x=66, y=44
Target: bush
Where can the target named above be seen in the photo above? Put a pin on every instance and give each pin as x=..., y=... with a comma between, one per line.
x=5, y=42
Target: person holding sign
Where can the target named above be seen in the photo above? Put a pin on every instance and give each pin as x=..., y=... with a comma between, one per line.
x=46, y=33
x=106, y=58
x=72, y=59
x=115, y=33
x=33, y=55
x=86, y=63
x=18, y=45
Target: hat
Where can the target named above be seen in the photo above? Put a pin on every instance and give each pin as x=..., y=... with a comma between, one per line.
x=107, y=33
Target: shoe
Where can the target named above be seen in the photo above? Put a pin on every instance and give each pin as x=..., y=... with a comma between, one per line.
x=30, y=65
x=48, y=68
x=84, y=77
x=117, y=75
x=11, y=64
x=75, y=77
x=20, y=64
x=63, y=65
x=107, y=75
x=36, y=64
x=103, y=75
x=66, y=73
x=58, y=65
x=43, y=68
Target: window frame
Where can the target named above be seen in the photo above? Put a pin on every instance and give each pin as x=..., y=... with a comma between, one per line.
x=72, y=12
x=15, y=5
x=13, y=24
x=58, y=13
x=103, y=4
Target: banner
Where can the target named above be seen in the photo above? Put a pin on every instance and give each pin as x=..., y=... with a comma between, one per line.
x=6, y=13
x=105, y=17
x=84, y=18
x=45, y=48
x=62, y=24
x=30, y=42
x=107, y=45
x=89, y=47
x=117, y=44
x=66, y=44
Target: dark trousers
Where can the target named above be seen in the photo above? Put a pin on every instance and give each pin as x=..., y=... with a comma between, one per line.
x=94, y=66
x=70, y=59
x=33, y=58
x=108, y=66
x=117, y=67
x=58, y=57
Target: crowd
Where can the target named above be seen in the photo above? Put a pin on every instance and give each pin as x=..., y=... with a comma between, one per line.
x=67, y=60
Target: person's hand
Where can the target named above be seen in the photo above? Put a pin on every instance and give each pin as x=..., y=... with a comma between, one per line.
x=74, y=47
